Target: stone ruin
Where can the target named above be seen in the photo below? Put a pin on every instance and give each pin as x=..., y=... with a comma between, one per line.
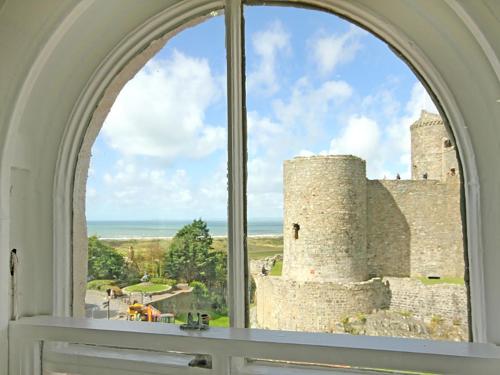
x=356, y=246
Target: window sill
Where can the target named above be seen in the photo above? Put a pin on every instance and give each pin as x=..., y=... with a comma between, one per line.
x=226, y=343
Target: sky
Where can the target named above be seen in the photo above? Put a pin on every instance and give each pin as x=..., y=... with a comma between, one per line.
x=315, y=85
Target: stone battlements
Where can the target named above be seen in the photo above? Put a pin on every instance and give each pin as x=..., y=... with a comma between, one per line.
x=343, y=232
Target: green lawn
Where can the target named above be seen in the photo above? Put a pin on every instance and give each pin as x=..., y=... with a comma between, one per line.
x=443, y=280
x=147, y=288
x=262, y=247
x=221, y=321
x=277, y=269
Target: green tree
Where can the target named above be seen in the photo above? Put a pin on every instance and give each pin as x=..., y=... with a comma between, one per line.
x=189, y=257
x=103, y=261
x=192, y=260
x=201, y=295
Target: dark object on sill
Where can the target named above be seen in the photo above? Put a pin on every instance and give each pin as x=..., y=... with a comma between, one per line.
x=194, y=325
x=13, y=261
x=201, y=361
x=434, y=277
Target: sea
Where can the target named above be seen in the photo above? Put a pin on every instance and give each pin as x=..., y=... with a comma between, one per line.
x=168, y=228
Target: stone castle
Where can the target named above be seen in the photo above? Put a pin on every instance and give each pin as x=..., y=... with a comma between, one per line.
x=354, y=245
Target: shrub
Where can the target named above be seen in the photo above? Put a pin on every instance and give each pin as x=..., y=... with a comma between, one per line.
x=104, y=262
x=101, y=285
x=361, y=317
x=201, y=294
x=116, y=291
x=405, y=313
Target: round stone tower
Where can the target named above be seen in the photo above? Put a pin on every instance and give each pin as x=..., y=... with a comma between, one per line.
x=325, y=219
x=432, y=151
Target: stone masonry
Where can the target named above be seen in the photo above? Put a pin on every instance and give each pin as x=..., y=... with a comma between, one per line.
x=343, y=233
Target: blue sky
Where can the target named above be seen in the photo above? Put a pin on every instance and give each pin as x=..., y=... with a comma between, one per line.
x=316, y=84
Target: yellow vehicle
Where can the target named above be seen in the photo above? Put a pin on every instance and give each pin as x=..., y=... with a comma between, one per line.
x=145, y=313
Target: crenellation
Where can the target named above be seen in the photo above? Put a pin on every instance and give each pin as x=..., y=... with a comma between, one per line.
x=343, y=233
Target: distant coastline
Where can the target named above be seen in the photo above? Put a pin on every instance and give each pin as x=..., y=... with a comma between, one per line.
x=257, y=236
x=156, y=229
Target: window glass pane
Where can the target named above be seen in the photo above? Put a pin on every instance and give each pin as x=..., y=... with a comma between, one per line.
x=353, y=185
x=157, y=188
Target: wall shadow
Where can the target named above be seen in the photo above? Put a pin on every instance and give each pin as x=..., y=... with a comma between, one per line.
x=388, y=233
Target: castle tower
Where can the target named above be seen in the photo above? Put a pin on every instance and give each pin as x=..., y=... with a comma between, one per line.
x=432, y=149
x=325, y=219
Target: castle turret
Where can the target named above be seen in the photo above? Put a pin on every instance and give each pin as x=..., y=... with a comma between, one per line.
x=325, y=219
x=433, y=154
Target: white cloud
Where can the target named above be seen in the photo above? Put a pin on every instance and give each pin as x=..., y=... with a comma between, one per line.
x=264, y=176
x=398, y=131
x=268, y=44
x=308, y=106
x=265, y=187
x=360, y=137
x=329, y=51
x=380, y=132
x=133, y=184
x=139, y=188
x=161, y=111
x=263, y=133
x=420, y=100
x=296, y=122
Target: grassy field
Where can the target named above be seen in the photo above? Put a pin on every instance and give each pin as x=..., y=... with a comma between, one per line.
x=140, y=246
x=147, y=288
x=443, y=280
x=149, y=249
x=277, y=269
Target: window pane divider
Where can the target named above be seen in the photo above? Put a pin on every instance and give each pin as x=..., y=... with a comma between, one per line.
x=237, y=159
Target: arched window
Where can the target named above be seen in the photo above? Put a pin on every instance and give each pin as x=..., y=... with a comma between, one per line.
x=237, y=219
x=373, y=250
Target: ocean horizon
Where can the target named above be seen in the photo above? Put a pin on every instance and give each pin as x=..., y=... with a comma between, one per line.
x=115, y=229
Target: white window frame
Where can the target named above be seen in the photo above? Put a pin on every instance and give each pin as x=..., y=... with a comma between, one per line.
x=69, y=170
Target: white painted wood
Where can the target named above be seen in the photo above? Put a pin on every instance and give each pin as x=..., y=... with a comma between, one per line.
x=441, y=45
x=25, y=356
x=237, y=175
x=84, y=359
x=223, y=344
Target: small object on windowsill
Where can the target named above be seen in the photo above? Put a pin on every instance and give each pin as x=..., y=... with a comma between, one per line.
x=197, y=325
x=201, y=361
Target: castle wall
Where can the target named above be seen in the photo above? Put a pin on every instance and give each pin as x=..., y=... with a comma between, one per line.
x=450, y=162
x=314, y=306
x=389, y=235
x=427, y=137
x=319, y=307
x=448, y=301
x=326, y=196
x=414, y=228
